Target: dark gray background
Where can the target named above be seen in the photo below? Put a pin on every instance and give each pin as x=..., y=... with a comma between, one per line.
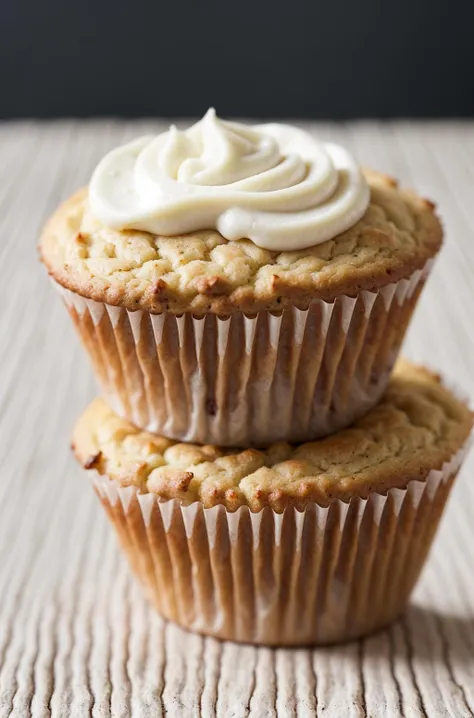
x=286, y=58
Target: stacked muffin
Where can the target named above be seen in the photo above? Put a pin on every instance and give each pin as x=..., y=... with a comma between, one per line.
x=268, y=479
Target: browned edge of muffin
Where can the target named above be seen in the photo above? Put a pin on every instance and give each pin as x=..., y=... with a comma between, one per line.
x=401, y=253
x=418, y=426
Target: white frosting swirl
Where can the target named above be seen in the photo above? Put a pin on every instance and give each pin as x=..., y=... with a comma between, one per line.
x=273, y=184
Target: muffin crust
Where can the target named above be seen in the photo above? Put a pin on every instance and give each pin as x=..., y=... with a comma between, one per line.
x=417, y=427
x=203, y=272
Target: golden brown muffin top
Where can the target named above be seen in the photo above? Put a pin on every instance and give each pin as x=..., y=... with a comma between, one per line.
x=203, y=272
x=417, y=427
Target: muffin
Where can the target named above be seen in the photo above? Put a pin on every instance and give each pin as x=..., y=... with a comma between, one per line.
x=314, y=543
x=240, y=285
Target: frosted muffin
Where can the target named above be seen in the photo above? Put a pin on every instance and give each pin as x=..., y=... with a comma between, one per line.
x=314, y=543
x=240, y=285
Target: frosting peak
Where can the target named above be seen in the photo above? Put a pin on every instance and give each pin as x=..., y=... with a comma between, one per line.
x=215, y=153
x=273, y=184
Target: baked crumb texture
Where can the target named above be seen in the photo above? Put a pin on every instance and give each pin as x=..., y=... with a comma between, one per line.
x=202, y=272
x=417, y=427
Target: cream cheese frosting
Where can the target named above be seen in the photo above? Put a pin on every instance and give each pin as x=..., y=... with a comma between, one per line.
x=273, y=184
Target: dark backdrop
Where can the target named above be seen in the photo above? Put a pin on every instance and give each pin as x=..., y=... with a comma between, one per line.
x=337, y=58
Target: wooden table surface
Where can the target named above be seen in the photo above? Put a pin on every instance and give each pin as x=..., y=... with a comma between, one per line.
x=76, y=637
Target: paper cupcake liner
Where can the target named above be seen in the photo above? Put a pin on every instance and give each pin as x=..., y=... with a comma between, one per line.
x=319, y=576
x=248, y=381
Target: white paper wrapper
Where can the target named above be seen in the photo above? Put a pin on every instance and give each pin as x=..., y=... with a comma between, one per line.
x=248, y=381
x=323, y=575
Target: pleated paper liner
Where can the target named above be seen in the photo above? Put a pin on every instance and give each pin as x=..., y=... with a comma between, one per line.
x=248, y=381
x=322, y=575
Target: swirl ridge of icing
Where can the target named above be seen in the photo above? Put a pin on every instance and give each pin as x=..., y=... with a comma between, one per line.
x=273, y=184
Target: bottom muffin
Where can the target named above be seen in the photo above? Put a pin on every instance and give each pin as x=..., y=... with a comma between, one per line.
x=307, y=544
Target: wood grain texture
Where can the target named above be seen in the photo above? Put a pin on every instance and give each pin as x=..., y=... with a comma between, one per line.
x=76, y=637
